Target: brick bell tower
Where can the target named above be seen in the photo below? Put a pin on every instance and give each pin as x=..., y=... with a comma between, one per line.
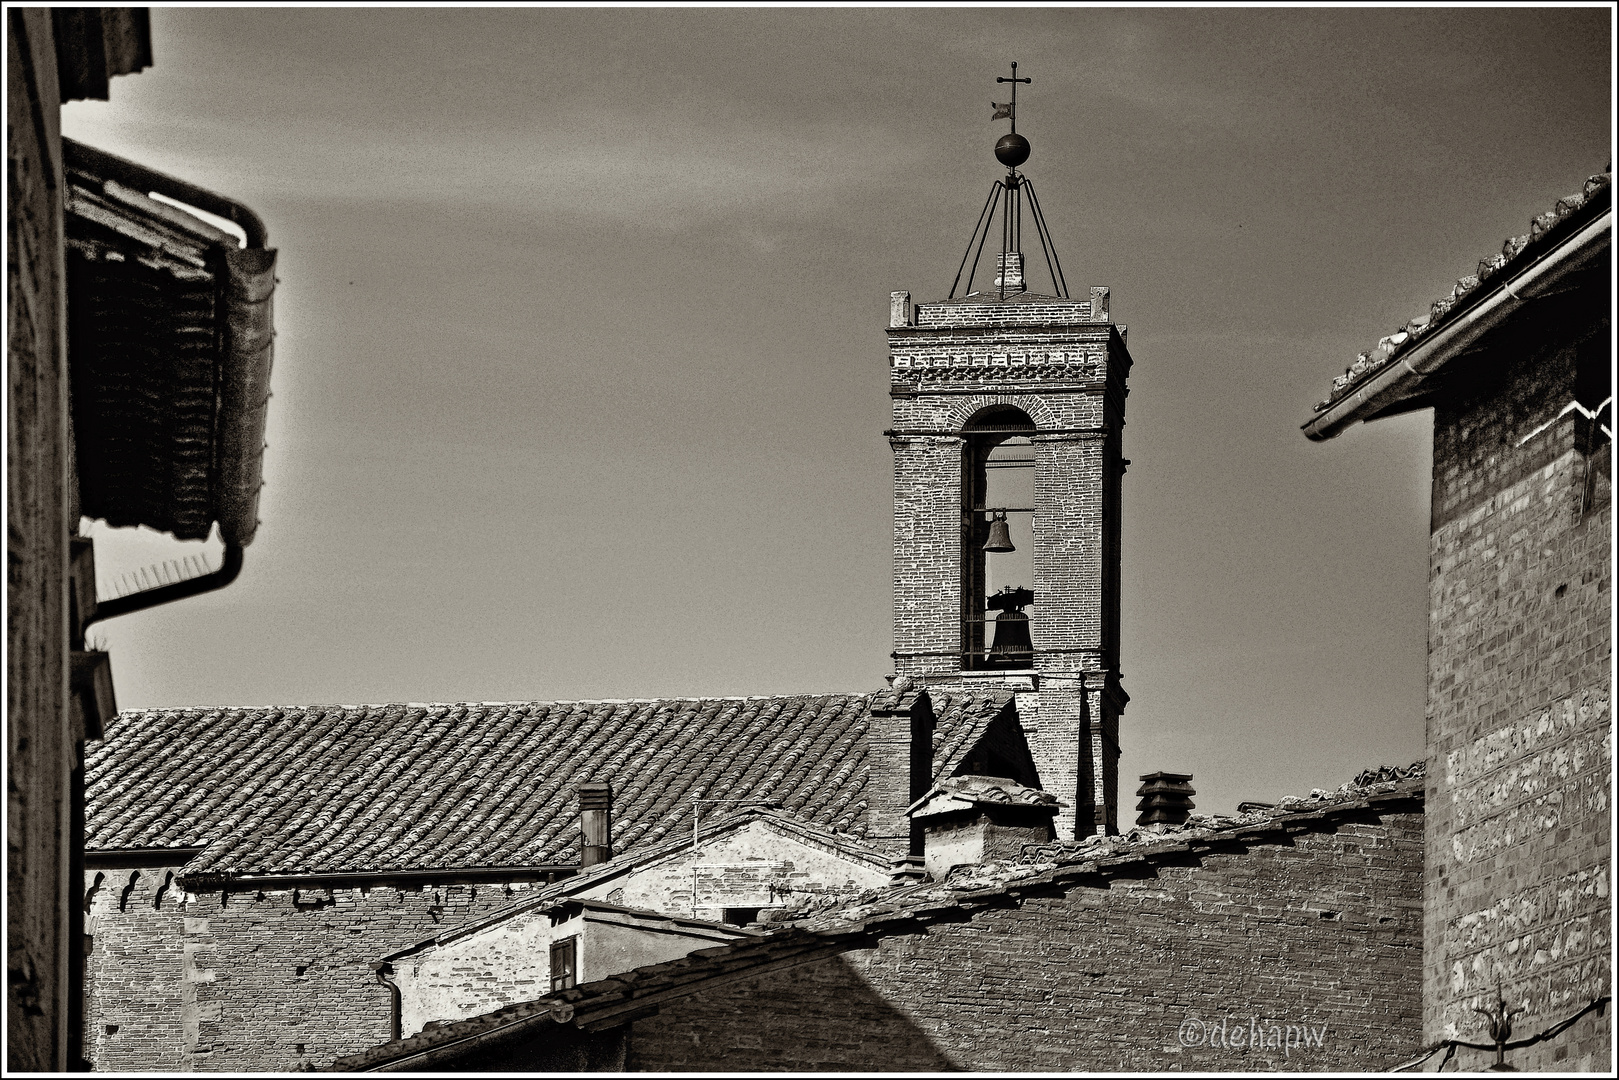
x=1008, y=469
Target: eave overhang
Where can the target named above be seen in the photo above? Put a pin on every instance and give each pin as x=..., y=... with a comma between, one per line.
x=170, y=343
x=1403, y=383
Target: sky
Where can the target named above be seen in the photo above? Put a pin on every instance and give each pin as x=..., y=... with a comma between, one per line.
x=581, y=373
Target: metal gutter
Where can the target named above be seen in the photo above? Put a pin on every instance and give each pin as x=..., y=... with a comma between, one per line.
x=111, y=167
x=1400, y=378
x=246, y=284
x=164, y=594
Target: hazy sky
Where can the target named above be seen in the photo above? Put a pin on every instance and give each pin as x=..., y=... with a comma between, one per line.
x=581, y=374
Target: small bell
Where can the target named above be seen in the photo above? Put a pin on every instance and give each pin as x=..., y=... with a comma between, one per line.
x=1000, y=540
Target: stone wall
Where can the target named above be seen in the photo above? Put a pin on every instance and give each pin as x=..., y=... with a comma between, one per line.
x=280, y=978
x=1320, y=932
x=1519, y=801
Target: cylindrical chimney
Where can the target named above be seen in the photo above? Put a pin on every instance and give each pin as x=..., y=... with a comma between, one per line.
x=595, y=824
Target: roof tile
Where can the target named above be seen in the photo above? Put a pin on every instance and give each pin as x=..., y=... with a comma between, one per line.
x=372, y=788
x=1596, y=193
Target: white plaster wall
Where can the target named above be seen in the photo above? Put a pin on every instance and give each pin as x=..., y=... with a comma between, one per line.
x=755, y=865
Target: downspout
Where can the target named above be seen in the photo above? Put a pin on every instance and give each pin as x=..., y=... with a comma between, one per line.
x=397, y=1008
x=179, y=590
x=1433, y=353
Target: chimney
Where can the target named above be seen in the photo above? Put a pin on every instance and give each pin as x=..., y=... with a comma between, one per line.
x=900, y=742
x=899, y=309
x=1010, y=265
x=595, y=823
x=968, y=820
x=1166, y=799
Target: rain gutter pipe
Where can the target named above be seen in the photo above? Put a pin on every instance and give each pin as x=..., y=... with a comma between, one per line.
x=178, y=590
x=237, y=436
x=396, y=1010
x=1400, y=377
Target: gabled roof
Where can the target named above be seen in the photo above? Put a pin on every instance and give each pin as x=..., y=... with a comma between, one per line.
x=859, y=922
x=1568, y=237
x=569, y=888
x=377, y=788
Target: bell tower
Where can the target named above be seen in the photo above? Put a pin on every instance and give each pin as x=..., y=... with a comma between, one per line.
x=1008, y=468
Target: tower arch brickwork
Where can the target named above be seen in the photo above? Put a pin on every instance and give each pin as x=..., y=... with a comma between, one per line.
x=1064, y=364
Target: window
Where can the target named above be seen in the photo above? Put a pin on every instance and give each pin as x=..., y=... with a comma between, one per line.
x=564, y=963
x=997, y=493
x=741, y=916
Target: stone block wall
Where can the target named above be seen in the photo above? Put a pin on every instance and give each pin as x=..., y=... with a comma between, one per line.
x=1519, y=713
x=1175, y=969
x=1067, y=373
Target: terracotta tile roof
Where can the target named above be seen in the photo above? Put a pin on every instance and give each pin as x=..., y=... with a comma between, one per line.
x=1106, y=855
x=371, y=788
x=1544, y=230
x=171, y=341
x=857, y=922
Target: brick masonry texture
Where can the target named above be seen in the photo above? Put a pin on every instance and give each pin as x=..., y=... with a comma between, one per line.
x=1519, y=714
x=1067, y=373
x=1322, y=930
x=239, y=981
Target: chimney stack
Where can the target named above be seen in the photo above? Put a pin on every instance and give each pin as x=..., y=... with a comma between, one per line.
x=1166, y=799
x=595, y=823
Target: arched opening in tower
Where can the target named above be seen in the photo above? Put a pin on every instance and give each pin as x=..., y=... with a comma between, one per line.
x=997, y=552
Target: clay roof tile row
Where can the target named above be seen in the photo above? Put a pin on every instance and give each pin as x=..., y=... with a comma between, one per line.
x=377, y=788
x=1517, y=251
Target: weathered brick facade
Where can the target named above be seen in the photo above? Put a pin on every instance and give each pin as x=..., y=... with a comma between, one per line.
x=1323, y=931
x=1061, y=365
x=252, y=981
x=1289, y=943
x=1519, y=716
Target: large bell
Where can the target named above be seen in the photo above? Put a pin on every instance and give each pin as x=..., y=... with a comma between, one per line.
x=1000, y=539
x=1011, y=636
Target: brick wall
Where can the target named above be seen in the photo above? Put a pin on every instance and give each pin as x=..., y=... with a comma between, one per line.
x=1067, y=374
x=39, y=744
x=1519, y=802
x=1324, y=930
x=240, y=981
x=138, y=1004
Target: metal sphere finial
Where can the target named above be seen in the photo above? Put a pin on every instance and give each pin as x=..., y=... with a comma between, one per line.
x=1012, y=150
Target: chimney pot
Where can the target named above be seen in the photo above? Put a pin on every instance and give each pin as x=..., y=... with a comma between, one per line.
x=1166, y=799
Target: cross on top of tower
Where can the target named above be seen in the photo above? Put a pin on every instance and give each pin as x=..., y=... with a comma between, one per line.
x=1009, y=110
x=1013, y=149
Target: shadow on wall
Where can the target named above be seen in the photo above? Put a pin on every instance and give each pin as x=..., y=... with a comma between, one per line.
x=820, y=1016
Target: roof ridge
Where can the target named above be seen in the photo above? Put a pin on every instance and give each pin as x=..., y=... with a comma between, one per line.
x=162, y=709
